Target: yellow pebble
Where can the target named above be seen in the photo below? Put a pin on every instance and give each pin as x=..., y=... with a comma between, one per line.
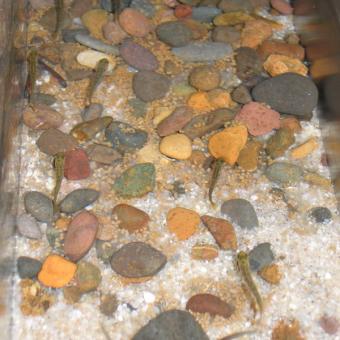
x=199, y=101
x=304, y=149
x=278, y=64
x=177, y=146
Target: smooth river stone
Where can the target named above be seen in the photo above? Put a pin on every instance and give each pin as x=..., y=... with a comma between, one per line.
x=134, y=22
x=260, y=256
x=284, y=173
x=96, y=44
x=28, y=227
x=39, y=206
x=203, y=51
x=69, y=35
x=204, y=14
x=28, y=268
x=137, y=260
x=78, y=199
x=76, y=165
x=90, y=58
x=174, y=33
x=42, y=117
x=103, y=154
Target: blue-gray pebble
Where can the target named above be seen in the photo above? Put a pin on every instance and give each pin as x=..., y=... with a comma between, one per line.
x=78, y=199
x=321, y=214
x=205, y=14
x=260, y=256
x=39, y=206
x=174, y=33
x=96, y=44
x=284, y=173
x=28, y=268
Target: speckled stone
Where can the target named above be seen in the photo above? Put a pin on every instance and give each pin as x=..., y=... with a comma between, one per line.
x=39, y=206
x=284, y=173
x=260, y=256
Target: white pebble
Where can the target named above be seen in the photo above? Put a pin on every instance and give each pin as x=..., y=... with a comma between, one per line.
x=149, y=297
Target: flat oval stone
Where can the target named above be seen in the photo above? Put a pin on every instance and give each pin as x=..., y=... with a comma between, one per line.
x=137, y=260
x=226, y=34
x=205, y=14
x=138, y=56
x=53, y=141
x=103, y=154
x=288, y=93
x=149, y=86
x=90, y=58
x=88, y=276
x=80, y=235
x=78, y=199
x=203, y=51
x=39, y=206
x=42, y=117
x=135, y=22
x=284, y=173
x=92, y=111
x=76, y=165
x=164, y=325
x=28, y=227
x=124, y=137
x=174, y=33
x=70, y=34
x=28, y=268
x=96, y=44
x=87, y=130
x=241, y=212
x=136, y=181
x=260, y=256
x=177, y=146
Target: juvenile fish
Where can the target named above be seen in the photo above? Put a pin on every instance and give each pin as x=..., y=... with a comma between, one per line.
x=116, y=8
x=238, y=334
x=96, y=78
x=32, y=73
x=243, y=266
x=59, y=8
x=216, y=172
x=53, y=72
x=59, y=161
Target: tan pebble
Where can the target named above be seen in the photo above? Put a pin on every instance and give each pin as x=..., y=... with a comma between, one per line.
x=94, y=21
x=90, y=58
x=205, y=78
x=160, y=114
x=106, y=232
x=182, y=222
x=255, y=32
x=134, y=280
x=248, y=158
x=219, y=99
x=271, y=274
x=177, y=146
x=228, y=143
x=316, y=179
x=198, y=29
x=62, y=223
x=283, y=331
x=199, y=101
x=291, y=123
x=197, y=158
x=277, y=64
x=204, y=252
x=305, y=149
x=149, y=153
x=134, y=22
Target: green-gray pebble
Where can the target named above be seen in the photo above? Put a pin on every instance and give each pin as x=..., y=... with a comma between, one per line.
x=28, y=268
x=78, y=199
x=88, y=276
x=284, y=173
x=39, y=206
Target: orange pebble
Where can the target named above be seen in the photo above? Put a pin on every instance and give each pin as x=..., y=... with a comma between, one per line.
x=219, y=99
x=56, y=272
x=183, y=11
x=199, y=101
x=182, y=222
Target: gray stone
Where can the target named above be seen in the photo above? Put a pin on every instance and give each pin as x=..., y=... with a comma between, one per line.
x=174, y=33
x=226, y=34
x=39, y=206
x=284, y=173
x=260, y=256
x=241, y=95
x=288, y=93
x=139, y=107
x=241, y=212
x=204, y=14
x=203, y=51
x=105, y=250
x=69, y=35
x=235, y=5
x=107, y=5
x=28, y=227
x=96, y=44
x=321, y=214
x=103, y=154
x=92, y=111
x=78, y=199
x=28, y=268
x=144, y=6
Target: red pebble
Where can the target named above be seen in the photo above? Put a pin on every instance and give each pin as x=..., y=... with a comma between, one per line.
x=183, y=11
x=258, y=118
x=77, y=165
x=282, y=6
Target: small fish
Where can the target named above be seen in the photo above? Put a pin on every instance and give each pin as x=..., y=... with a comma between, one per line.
x=32, y=73
x=238, y=334
x=243, y=266
x=116, y=8
x=58, y=162
x=96, y=78
x=216, y=172
x=105, y=332
x=53, y=72
x=59, y=8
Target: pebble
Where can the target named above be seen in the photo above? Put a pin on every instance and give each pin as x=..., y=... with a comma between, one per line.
x=42, y=117
x=255, y=32
x=90, y=58
x=130, y=218
x=182, y=222
x=28, y=268
x=248, y=63
x=27, y=225
x=197, y=158
x=56, y=272
x=269, y=47
x=204, y=252
x=284, y=173
x=222, y=231
x=78, y=199
x=205, y=78
x=62, y=223
x=282, y=6
x=316, y=179
x=137, y=260
x=305, y=149
x=260, y=256
x=271, y=274
x=199, y=101
x=43, y=99
x=96, y=44
x=76, y=165
x=80, y=235
x=177, y=146
x=171, y=68
x=211, y=304
x=219, y=99
x=228, y=143
x=114, y=33
x=139, y=107
x=241, y=95
x=203, y=51
x=103, y=154
x=277, y=64
x=136, y=181
x=175, y=121
x=183, y=11
x=94, y=20
x=53, y=141
x=72, y=294
x=138, y=56
x=39, y=206
x=88, y=277
x=149, y=86
x=284, y=330
x=174, y=33
x=206, y=123
x=108, y=304
x=85, y=131
x=288, y=93
x=199, y=30
x=235, y=5
x=69, y=35
x=92, y=111
x=232, y=18
x=182, y=90
x=144, y=6
x=291, y=123
x=164, y=324
x=205, y=14
x=279, y=143
x=321, y=214
x=241, y=212
x=105, y=250
x=134, y=22
x=249, y=156
x=329, y=324
x=226, y=34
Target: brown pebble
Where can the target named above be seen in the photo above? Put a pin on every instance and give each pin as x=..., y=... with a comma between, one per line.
x=269, y=47
x=72, y=294
x=255, y=32
x=211, y=304
x=329, y=324
x=114, y=33
x=197, y=158
x=77, y=165
x=279, y=143
x=271, y=274
x=284, y=331
x=249, y=156
x=204, y=252
x=291, y=123
x=108, y=304
x=205, y=78
x=134, y=22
